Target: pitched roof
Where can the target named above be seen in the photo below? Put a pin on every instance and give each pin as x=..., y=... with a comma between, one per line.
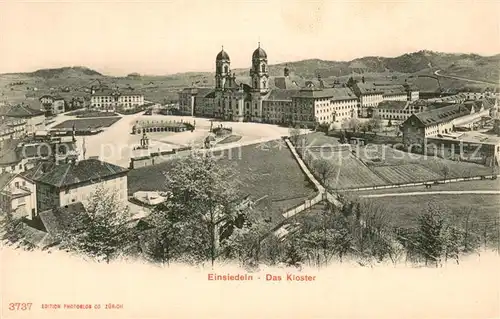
x=56, y=220
x=393, y=105
x=36, y=237
x=443, y=114
x=73, y=173
x=22, y=110
x=368, y=88
x=281, y=95
x=334, y=93
x=109, y=92
x=8, y=152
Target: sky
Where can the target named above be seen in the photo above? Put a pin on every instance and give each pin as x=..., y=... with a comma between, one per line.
x=164, y=37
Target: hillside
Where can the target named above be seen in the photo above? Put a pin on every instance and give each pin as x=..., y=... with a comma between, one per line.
x=64, y=72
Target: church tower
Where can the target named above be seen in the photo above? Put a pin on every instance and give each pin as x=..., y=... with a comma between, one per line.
x=259, y=71
x=222, y=70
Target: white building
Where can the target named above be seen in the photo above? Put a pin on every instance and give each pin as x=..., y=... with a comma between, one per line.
x=17, y=196
x=53, y=104
x=111, y=100
x=63, y=184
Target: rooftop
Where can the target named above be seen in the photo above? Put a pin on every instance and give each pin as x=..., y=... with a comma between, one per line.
x=334, y=93
x=108, y=92
x=56, y=220
x=473, y=137
x=443, y=114
x=21, y=110
x=281, y=95
x=73, y=173
x=393, y=105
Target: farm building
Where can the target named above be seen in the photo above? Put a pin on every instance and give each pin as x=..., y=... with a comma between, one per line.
x=439, y=121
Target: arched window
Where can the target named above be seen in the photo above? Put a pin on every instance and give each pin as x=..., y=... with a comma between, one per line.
x=264, y=84
x=256, y=83
x=263, y=68
x=226, y=69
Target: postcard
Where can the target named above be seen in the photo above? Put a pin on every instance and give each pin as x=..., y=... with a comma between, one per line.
x=250, y=159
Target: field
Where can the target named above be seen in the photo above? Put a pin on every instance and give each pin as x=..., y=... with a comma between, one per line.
x=377, y=164
x=348, y=171
x=88, y=123
x=405, y=173
x=271, y=176
x=401, y=167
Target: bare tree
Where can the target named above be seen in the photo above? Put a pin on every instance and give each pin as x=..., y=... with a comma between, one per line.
x=324, y=169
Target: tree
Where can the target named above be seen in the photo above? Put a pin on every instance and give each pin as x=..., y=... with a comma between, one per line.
x=342, y=138
x=351, y=82
x=431, y=235
x=353, y=124
x=375, y=123
x=102, y=231
x=202, y=196
x=324, y=169
x=246, y=242
x=364, y=128
x=12, y=229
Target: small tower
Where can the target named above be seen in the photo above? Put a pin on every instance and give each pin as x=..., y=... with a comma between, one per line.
x=259, y=72
x=222, y=69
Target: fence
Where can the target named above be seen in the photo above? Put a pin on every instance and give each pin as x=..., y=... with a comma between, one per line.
x=441, y=181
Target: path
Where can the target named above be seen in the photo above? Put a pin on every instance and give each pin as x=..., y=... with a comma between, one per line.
x=322, y=193
x=432, y=193
x=437, y=73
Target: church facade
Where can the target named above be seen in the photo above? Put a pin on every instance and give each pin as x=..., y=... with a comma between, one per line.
x=284, y=99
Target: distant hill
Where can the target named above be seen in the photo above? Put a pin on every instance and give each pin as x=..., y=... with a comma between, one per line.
x=467, y=65
x=64, y=72
x=15, y=86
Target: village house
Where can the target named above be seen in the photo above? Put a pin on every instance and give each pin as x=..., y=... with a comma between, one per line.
x=17, y=196
x=53, y=104
x=59, y=184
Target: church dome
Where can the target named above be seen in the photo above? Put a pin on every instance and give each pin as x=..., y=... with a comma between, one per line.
x=222, y=56
x=259, y=53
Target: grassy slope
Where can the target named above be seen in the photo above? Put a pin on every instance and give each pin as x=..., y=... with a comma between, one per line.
x=270, y=175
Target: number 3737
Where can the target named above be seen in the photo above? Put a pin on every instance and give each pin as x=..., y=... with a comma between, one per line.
x=20, y=305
